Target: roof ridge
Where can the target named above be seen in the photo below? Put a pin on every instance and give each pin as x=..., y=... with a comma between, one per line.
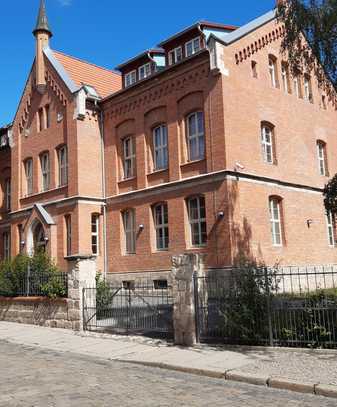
x=87, y=62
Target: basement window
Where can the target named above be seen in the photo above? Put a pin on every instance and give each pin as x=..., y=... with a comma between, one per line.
x=160, y=284
x=128, y=285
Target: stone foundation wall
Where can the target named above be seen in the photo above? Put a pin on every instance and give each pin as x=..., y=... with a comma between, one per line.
x=58, y=313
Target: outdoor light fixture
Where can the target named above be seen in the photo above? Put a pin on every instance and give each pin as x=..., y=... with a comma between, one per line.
x=221, y=214
x=239, y=166
x=22, y=243
x=46, y=239
x=309, y=222
x=141, y=227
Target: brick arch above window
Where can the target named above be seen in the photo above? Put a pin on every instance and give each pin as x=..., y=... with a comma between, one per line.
x=190, y=102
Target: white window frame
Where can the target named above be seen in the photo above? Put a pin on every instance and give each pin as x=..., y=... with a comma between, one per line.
x=8, y=194
x=144, y=71
x=194, y=48
x=63, y=165
x=307, y=88
x=129, y=157
x=273, y=71
x=29, y=176
x=285, y=77
x=321, y=156
x=6, y=245
x=198, y=137
x=276, y=221
x=198, y=221
x=160, y=150
x=175, y=55
x=45, y=171
x=130, y=78
x=95, y=234
x=297, y=87
x=331, y=229
x=161, y=227
x=267, y=145
x=129, y=226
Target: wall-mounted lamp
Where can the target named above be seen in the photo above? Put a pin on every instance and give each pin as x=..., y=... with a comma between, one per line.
x=46, y=239
x=309, y=222
x=239, y=166
x=22, y=243
x=141, y=227
x=221, y=215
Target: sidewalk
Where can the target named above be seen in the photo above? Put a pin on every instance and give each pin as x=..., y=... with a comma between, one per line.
x=309, y=371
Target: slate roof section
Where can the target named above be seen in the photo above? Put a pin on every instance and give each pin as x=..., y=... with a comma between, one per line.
x=44, y=214
x=76, y=73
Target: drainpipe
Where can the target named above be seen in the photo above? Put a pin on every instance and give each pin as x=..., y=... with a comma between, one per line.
x=105, y=247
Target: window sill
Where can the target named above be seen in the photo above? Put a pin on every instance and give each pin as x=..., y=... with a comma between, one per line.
x=43, y=192
x=154, y=172
x=193, y=162
x=126, y=180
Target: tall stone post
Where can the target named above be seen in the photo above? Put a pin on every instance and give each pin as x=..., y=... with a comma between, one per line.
x=184, y=268
x=82, y=274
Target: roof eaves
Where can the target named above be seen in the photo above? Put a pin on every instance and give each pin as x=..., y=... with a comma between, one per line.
x=184, y=31
x=246, y=29
x=61, y=71
x=142, y=54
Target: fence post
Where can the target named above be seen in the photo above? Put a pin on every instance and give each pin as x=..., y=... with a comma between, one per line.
x=196, y=306
x=28, y=281
x=270, y=325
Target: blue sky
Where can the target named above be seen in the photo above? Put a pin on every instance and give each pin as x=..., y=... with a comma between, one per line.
x=105, y=32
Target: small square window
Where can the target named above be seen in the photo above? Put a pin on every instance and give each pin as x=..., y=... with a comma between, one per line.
x=128, y=285
x=160, y=284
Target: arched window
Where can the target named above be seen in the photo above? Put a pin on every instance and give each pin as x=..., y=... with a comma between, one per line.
x=161, y=225
x=331, y=224
x=45, y=171
x=62, y=155
x=195, y=136
x=160, y=151
x=276, y=221
x=197, y=220
x=129, y=224
x=29, y=176
x=268, y=143
x=273, y=71
x=322, y=158
x=285, y=77
x=129, y=157
x=95, y=234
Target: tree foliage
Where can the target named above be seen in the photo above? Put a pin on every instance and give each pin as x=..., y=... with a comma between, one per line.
x=330, y=196
x=311, y=38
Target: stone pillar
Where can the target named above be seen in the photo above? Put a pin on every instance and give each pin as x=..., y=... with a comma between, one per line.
x=184, y=268
x=82, y=275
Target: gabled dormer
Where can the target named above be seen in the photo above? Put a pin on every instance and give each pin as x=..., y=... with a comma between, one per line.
x=142, y=66
x=191, y=40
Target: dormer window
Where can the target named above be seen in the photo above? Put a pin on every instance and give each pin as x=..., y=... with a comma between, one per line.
x=192, y=47
x=130, y=78
x=144, y=71
x=175, y=56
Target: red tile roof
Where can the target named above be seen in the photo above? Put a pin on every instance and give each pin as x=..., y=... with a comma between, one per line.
x=81, y=72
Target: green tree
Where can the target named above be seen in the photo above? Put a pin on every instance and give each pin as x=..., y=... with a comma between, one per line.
x=311, y=38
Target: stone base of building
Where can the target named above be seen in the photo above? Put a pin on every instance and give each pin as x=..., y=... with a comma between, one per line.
x=58, y=313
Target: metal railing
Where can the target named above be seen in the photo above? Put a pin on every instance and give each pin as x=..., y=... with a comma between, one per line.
x=35, y=284
x=289, y=306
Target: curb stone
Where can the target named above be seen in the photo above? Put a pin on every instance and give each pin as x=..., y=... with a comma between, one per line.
x=292, y=385
x=326, y=390
x=238, y=376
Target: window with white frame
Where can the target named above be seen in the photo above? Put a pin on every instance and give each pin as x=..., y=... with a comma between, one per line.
x=6, y=245
x=307, y=88
x=8, y=194
x=322, y=158
x=197, y=220
x=192, y=47
x=297, y=87
x=129, y=157
x=160, y=215
x=267, y=142
x=273, y=71
x=29, y=176
x=275, y=220
x=195, y=136
x=331, y=229
x=175, y=55
x=45, y=171
x=160, y=151
x=95, y=234
x=285, y=77
x=144, y=71
x=129, y=231
x=67, y=220
x=63, y=165
x=130, y=78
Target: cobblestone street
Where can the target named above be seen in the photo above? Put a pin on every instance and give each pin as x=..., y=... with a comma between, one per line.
x=33, y=377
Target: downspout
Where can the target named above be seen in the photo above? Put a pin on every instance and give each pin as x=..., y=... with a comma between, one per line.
x=105, y=246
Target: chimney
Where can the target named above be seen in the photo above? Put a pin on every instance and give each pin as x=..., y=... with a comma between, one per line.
x=42, y=34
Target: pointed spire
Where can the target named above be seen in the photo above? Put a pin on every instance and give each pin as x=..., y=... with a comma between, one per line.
x=42, y=20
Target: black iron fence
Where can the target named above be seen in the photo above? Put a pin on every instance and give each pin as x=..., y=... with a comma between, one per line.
x=289, y=306
x=32, y=283
x=143, y=308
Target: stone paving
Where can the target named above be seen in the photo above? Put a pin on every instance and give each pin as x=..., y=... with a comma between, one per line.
x=35, y=377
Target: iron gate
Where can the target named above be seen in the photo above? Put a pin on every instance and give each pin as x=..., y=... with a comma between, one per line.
x=140, y=309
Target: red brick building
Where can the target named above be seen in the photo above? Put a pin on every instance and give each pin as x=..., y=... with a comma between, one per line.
x=206, y=143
